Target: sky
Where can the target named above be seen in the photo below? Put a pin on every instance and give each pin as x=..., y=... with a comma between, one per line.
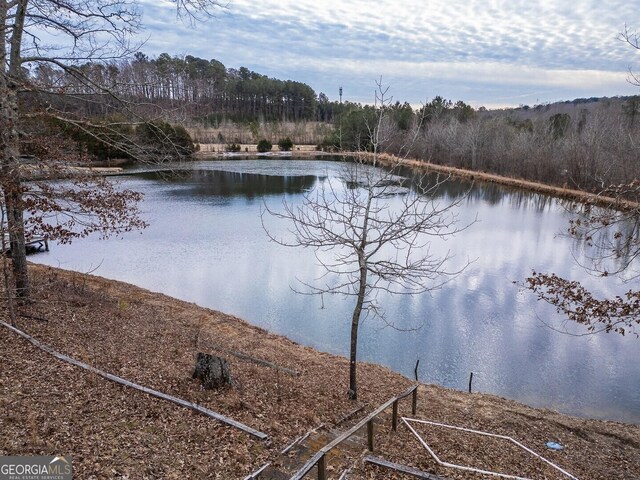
x=485, y=52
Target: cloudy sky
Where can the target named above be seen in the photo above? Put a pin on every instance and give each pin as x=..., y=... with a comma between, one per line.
x=485, y=52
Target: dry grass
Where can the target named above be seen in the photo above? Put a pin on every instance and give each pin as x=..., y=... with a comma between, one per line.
x=48, y=407
x=228, y=132
x=207, y=149
x=560, y=192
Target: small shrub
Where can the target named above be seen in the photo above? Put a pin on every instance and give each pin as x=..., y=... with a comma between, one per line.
x=232, y=147
x=264, y=146
x=165, y=140
x=285, y=144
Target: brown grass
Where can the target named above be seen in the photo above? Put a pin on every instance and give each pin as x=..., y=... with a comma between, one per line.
x=207, y=149
x=560, y=192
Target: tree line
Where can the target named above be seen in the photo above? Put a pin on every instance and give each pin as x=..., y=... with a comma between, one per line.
x=201, y=89
x=584, y=145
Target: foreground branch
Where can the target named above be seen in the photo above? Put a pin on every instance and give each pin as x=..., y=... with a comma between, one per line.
x=620, y=314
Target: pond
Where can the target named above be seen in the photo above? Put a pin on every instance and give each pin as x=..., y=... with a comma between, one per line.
x=206, y=244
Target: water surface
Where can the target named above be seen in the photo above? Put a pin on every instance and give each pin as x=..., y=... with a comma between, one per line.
x=206, y=244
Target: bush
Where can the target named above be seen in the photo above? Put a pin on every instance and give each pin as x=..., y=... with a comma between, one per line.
x=232, y=147
x=106, y=139
x=285, y=144
x=165, y=140
x=264, y=146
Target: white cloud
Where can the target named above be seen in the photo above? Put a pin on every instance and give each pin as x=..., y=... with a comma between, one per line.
x=467, y=47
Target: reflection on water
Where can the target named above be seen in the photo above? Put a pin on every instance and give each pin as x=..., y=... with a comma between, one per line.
x=207, y=183
x=206, y=244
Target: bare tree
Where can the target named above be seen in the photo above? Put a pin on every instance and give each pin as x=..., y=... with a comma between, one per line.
x=84, y=31
x=372, y=231
x=633, y=39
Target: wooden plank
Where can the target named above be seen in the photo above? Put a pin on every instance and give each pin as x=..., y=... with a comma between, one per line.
x=300, y=439
x=256, y=474
x=350, y=414
x=40, y=241
x=401, y=468
x=127, y=383
x=336, y=441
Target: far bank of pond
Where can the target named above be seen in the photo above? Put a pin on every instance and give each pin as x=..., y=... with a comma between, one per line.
x=217, y=151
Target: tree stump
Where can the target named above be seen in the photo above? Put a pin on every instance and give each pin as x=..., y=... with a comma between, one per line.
x=212, y=371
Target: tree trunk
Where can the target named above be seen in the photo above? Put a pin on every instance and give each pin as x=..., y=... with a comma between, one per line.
x=5, y=273
x=212, y=371
x=362, y=293
x=11, y=184
x=10, y=147
x=15, y=224
x=355, y=323
x=353, y=381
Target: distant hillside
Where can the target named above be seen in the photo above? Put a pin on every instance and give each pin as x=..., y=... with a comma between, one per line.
x=571, y=107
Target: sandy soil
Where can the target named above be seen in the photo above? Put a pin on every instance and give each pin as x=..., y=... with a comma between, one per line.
x=48, y=407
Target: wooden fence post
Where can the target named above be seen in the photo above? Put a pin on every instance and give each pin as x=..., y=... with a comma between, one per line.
x=414, y=402
x=370, y=434
x=322, y=468
x=394, y=417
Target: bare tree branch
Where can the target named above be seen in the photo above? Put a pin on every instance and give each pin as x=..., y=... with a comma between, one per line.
x=56, y=37
x=372, y=232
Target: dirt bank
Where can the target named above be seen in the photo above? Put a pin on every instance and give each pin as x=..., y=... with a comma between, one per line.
x=48, y=407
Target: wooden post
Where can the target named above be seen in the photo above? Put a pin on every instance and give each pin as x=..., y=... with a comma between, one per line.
x=470, y=380
x=322, y=468
x=394, y=417
x=414, y=402
x=370, y=434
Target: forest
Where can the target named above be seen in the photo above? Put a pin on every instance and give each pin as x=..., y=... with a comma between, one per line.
x=188, y=88
x=584, y=143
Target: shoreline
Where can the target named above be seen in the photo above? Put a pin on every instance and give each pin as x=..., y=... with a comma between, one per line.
x=152, y=339
x=385, y=159
x=536, y=187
